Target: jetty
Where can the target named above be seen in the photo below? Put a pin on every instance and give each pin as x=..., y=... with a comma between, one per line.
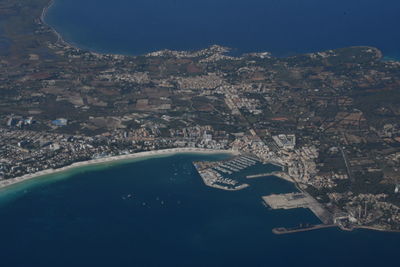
x=299, y=200
x=301, y=228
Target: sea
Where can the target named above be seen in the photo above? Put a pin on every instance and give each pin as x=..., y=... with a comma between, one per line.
x=282, y=27
x=158, y=212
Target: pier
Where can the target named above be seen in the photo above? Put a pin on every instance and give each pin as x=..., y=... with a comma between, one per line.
x=284, y=230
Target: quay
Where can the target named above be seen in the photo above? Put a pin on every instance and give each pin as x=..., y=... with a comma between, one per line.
x=299, y=200
x=261, y=175
x=279, y=174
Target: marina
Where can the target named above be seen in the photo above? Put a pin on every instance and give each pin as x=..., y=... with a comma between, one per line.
x=220, y=174
x=228, y=175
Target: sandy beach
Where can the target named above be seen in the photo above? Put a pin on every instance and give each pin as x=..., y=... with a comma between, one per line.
x=60, y=39
x=166, y=152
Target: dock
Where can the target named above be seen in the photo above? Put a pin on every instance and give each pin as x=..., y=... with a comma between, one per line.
x=218, y=174
x=298, y=200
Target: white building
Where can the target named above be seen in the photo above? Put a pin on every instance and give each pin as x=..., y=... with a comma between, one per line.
x=286, y=141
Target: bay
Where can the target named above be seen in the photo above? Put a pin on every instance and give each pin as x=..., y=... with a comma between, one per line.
x=158, y=212
x=283, y=27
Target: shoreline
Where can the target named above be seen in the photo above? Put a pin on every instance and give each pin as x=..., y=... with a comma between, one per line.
x=4, y=184
x=62, y=41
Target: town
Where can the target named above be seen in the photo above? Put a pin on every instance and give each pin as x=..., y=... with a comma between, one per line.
x=330, y=119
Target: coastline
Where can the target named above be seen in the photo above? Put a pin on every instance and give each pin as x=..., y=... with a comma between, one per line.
x=62, y=41
x=163, y=152
x=42, y=21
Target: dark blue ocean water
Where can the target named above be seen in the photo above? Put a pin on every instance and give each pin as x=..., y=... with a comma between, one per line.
x=171, y=219
x=283, y=27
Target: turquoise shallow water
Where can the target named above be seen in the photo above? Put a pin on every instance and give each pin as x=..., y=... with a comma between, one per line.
x=171, y=219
